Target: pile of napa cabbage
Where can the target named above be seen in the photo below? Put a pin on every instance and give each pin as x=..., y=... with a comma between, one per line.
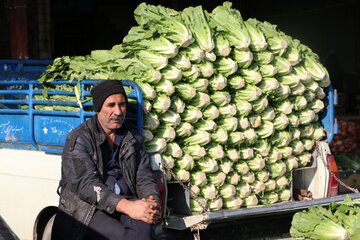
x=231, y=106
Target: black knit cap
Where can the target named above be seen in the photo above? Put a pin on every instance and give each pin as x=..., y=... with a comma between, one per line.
x=103, y=90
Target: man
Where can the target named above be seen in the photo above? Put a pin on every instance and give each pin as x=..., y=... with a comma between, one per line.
x=107, y=187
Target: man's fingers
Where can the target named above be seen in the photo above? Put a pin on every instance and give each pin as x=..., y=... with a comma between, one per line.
x=151, y=197
x=152, y=212
x=153, y=203
x=151, y=200
x=152, y=218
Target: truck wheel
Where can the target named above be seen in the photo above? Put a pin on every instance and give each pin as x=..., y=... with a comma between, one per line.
x=47, y=231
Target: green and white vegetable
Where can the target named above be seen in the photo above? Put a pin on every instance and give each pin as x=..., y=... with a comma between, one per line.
x=228, y=103
x=339, y=221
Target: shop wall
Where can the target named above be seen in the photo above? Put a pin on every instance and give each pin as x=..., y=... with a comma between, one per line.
x=4, y=32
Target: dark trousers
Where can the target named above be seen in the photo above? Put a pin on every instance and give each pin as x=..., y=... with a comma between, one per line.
x=104, y=226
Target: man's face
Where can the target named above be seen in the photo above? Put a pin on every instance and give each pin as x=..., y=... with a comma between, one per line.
x=112, y=113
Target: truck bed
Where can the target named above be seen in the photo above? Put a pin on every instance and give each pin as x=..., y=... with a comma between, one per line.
x=181, y=223
x=263, y=222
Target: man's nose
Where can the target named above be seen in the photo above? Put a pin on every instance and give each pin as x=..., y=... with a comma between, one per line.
x=118, y=110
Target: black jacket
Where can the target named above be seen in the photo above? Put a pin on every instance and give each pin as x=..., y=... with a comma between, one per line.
x=82, y=188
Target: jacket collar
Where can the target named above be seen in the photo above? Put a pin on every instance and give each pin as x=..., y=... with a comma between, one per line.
x=99, y=135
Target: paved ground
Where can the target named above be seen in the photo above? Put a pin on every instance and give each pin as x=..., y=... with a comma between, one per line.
x=5, y=232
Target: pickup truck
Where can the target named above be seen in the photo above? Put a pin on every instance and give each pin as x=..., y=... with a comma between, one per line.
x=31, y=140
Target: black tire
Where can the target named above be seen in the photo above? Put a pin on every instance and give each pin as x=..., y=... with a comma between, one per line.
x=48, y=228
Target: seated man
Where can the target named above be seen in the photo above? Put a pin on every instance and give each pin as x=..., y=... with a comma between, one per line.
x=107, y=187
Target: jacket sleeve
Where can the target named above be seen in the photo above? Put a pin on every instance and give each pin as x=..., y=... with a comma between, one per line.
x=81, y=175
x=145, y=180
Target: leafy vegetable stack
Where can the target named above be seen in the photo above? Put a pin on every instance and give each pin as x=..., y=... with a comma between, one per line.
x=341, y=221
x=232, y=106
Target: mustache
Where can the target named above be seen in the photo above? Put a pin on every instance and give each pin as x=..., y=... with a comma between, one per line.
x=117, y=118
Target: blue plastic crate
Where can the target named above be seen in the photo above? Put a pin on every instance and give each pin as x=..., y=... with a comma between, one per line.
x=14, y=128
x=47, y=130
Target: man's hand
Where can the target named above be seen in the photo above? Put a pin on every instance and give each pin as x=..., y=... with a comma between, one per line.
x=146, y=210
x=154, y=205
